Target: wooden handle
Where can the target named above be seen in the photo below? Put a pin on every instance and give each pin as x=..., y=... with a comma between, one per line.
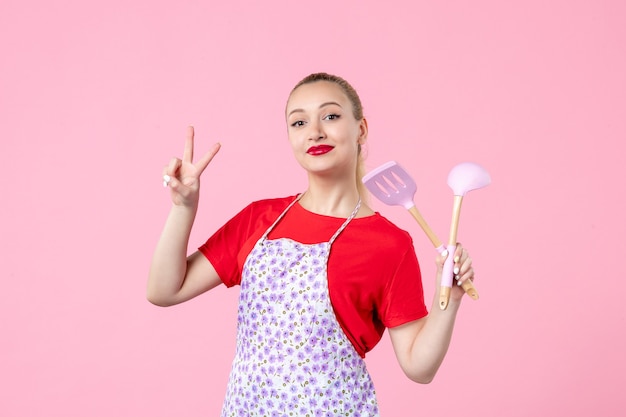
x=444, y=297
x=431, y=235
x=444, y=293
x=447, y=279
x=468, y=286
x=470, y=290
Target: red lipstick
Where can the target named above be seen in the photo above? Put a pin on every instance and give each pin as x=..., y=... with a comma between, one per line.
x=319, y=150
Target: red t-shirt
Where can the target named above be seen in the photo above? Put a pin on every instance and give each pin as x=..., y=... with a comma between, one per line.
x=374, y=278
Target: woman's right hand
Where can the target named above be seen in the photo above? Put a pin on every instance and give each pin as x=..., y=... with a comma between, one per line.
x=183, y=176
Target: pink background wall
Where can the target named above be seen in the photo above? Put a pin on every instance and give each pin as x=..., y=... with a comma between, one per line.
x=94, y=100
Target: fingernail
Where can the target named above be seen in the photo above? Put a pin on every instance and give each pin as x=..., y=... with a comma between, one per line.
x=444, y=253
x=456, y=259
x=459, y=283
x=166, y=180
x=456, y=270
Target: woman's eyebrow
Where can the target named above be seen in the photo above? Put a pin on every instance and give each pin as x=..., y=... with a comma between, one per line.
x=328, y=103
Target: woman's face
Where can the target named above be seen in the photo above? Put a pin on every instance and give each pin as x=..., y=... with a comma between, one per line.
x=322, y=130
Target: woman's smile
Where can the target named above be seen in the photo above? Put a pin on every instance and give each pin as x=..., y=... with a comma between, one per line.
x=319, y=150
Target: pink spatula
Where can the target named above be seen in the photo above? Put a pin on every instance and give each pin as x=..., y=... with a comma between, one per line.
x=392, y=185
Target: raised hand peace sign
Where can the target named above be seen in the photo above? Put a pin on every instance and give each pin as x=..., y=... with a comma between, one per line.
x=183, y=176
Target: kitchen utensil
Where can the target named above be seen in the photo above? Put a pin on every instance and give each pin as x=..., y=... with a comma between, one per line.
x=464, y=177
x=392, y=185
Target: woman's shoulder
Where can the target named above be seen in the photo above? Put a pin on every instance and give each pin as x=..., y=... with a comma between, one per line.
x=276, y=200
x=380, y=222
x=276, y=203
x=383, y=230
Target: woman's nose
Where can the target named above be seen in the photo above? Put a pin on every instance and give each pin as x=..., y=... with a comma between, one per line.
x=316, y=131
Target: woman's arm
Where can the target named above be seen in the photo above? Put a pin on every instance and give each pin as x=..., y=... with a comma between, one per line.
x=421, y=345
x=173, y=276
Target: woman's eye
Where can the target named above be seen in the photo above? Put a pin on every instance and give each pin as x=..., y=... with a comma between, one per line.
x=297, y=123
x=332, y=117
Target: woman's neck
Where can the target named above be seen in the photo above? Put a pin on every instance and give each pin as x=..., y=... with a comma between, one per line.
x=330, y=197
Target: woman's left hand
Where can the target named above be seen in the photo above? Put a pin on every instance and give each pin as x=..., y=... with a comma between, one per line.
x=463, y=271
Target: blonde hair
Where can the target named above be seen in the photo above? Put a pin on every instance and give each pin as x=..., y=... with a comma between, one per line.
x=357, y=111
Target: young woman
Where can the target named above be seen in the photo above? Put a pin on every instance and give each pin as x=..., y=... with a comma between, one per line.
x=321, y=274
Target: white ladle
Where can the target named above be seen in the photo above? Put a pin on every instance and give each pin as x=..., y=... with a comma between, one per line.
x=464, y=177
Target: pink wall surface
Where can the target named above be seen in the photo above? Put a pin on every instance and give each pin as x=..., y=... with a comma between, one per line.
x=94, y=101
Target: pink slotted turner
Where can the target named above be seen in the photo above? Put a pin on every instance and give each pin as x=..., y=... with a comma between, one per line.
x=392, y=185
